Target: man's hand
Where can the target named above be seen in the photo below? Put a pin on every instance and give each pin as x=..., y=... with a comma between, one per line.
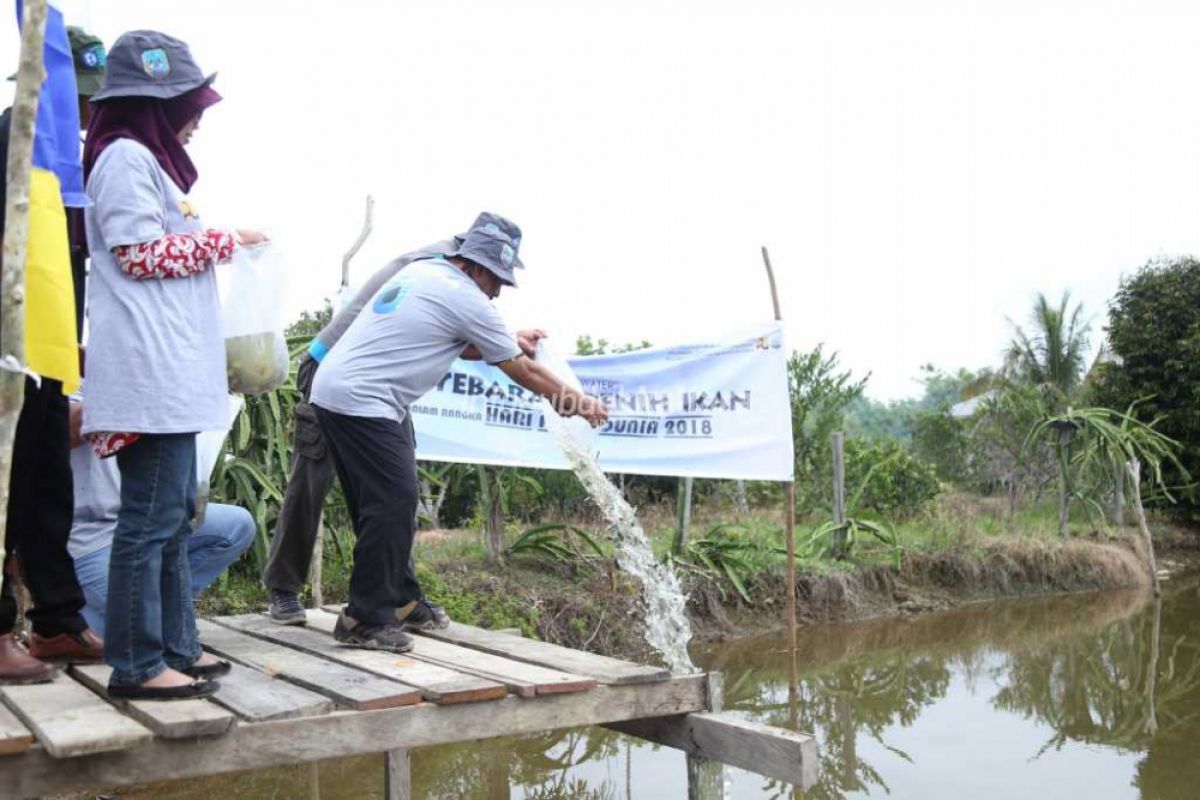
x=249, y=238
x=528, y=340
x=593, y=410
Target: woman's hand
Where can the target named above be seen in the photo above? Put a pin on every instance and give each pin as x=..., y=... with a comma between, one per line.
x=249, y=238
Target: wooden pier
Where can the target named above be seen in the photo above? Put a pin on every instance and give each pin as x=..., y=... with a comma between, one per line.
x=295, y=695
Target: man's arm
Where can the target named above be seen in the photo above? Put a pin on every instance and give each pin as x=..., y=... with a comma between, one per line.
x=75, y=424
x=527, y=340
x=568, y=401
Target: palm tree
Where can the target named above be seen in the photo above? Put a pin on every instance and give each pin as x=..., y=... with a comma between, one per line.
x=1053, y=354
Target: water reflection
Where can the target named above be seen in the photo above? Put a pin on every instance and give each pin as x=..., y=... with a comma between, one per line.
x=1093, y=696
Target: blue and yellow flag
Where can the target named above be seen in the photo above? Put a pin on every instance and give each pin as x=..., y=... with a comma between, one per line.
x=51, y=339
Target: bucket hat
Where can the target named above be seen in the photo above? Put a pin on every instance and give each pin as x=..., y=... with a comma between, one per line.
x=492, y=243
x=89, y=56
x=150, y=64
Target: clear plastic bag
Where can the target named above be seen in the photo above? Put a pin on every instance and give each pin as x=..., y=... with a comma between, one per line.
x=252, y=321
x=209, y=445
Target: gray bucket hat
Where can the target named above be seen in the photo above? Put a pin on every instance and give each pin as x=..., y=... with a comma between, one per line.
x=150, y=64
x=492, y=242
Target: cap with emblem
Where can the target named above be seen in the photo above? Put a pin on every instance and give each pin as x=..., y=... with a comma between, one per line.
x=90, y=57
x=492, y=243
x=150, y=64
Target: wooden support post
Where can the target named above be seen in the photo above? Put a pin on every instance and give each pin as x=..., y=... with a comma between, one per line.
x=1135, y=476
x=706, y=779
x=839, y=493
x=789, y=513
x=683, y=521
x=30, y=74
x=314, y=781
x=710, y=736
x=742, y=502
x=397, y=780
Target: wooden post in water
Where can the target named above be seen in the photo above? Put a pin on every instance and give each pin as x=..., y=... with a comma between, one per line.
x=839, y=493
x=30, y=74
x=706, y=779
x=397, y=779
x=789, y=514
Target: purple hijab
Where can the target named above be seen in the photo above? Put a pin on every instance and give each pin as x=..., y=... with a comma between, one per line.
x=153, y=123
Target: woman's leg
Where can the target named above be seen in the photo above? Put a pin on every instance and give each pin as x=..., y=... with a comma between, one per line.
x=180, y=644
x=158, y=476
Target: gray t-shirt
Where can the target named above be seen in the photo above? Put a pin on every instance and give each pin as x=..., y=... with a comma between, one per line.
x=406, y=338
x=156, y=358
x=337, y=327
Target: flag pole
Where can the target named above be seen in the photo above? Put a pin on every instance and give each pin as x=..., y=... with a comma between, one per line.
x=790, y=517
x=30, y=75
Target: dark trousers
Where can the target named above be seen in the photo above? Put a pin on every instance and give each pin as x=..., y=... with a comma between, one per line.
x=309, y=482
x=376, y=464
x=41, y=502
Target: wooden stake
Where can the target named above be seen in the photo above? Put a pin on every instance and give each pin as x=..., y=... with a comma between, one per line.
x=1135, y=474
x=789, y=526
x=30, y=75
x=838, y=444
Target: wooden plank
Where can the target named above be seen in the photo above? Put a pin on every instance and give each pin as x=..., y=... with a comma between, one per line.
x=177, y=719
x=256, y=697
x=70, y=721
x=349, y=688
x=342, y=734
x=777, y=753
x=14, y=737
x=602, y=668
x=525, y=680
x=436, y=683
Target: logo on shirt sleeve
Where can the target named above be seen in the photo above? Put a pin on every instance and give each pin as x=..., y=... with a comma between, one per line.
x=390, y=297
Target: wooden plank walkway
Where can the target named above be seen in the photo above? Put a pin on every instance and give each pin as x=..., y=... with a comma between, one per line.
x=295, y=695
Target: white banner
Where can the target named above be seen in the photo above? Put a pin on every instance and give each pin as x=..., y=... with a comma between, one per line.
x=713, y=410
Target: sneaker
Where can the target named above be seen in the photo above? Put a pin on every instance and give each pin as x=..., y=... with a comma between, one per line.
x=371, y=637
x=286, y=608
x=423, y=615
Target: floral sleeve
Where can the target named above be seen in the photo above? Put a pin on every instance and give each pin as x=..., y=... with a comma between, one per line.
x=176, y=255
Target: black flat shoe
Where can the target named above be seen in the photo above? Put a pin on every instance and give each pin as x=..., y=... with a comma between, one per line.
x=208, y=670
x=191, y=691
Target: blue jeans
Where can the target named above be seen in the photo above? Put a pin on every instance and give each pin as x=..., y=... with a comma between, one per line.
x=151, y=624
x=226, y=533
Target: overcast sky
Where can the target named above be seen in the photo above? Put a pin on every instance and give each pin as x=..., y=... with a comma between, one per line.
x=919, y=170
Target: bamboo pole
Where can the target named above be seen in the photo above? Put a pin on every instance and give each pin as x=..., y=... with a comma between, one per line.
x=317, y=567
x=30, y=75
x=358, y=243
x=790, y=529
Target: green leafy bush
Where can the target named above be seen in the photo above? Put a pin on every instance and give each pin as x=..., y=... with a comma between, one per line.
x=886, y=479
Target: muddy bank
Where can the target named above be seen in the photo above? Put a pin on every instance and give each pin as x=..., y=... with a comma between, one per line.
x=599, y=611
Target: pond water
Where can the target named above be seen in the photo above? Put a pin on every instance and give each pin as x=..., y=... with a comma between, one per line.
x=1087, y=696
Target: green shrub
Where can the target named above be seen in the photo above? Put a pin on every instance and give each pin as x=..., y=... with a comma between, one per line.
x=886, y=479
